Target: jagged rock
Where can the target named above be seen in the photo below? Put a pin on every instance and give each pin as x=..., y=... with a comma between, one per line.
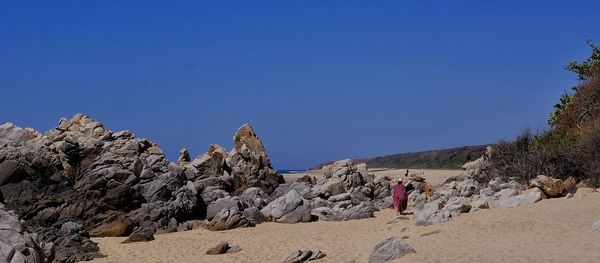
x=529, y=197
x=249, y=163
x=209, y=164
x=184, y=156
x=390, y=249
x=290, y=208
x=142, y=234
x=550, y=186
x=16, y=243
x=82, y=171
x=325, y=188
x=300, y=256
x=256, y=196
x=361, y=194
x=382, y=186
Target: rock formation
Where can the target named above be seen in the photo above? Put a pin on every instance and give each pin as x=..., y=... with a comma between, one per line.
x=470, y=192
x=113, y=183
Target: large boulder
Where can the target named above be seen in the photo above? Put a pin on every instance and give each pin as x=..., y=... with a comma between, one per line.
x=433, y=213
x=551, y=187
x=290, y=208
x=529, y=197
x=390, y=249
x=326, y=188
x=228, y=219
x=360, y=211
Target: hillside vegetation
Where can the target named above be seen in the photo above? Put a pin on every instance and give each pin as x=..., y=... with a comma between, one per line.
x=452, y=158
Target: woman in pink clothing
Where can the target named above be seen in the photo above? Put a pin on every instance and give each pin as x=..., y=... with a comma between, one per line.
x=400, y=197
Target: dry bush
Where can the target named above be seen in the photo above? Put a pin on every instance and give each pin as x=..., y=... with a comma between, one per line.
x=519, y=159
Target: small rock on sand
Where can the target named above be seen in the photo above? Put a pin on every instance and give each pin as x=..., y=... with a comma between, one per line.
x=596, y=226
x=223, y=248
x=304, y=255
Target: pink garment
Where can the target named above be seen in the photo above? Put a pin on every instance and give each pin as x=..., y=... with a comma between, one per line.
x=400, y=198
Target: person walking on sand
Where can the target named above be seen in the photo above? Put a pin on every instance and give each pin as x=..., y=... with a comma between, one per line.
x=400, y=197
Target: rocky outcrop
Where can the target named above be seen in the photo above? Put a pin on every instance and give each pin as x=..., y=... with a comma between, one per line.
x=112, y=182
x=390, y=249
x=300, y=256
x=16, y=243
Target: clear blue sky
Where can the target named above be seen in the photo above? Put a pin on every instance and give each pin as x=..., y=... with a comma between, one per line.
x=318, y=80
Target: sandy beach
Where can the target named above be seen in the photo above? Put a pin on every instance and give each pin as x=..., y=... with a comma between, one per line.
x=553, y=230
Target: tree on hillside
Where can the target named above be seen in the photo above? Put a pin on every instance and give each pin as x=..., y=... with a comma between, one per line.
x=583, y=71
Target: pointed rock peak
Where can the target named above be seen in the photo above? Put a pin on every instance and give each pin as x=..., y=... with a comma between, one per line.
x=184, y=156
x=246, y=141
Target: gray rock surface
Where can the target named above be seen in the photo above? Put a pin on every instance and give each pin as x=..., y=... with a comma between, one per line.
x=390, y=249
x=16, y=243
x=290, y=208
x=529, y=197
x=228, y=219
